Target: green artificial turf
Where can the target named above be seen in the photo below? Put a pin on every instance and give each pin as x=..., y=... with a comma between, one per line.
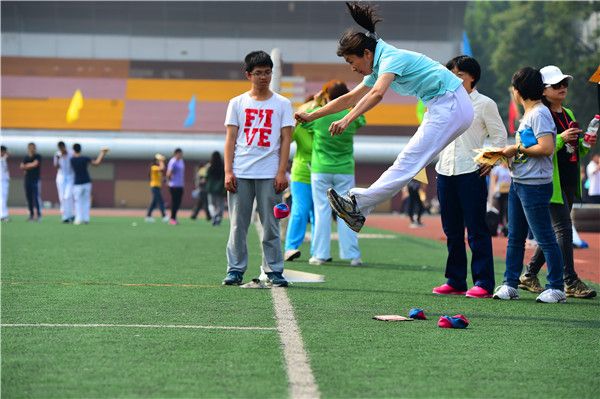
x=115, y=272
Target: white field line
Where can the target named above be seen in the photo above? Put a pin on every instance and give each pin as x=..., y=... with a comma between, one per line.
x=301, y=381
x=182, y=326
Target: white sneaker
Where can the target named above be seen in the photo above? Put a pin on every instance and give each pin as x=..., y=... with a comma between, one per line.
x=552, y=295
x=166, y=219
x=149, y=219
x=291, y=254
x=356, y=262
x=316, y=261
x=506, y=292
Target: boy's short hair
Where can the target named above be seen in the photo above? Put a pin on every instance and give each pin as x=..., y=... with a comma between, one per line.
x=257, y=58
x=2, y=148
x=467, y=64
x=528, y=82
x=61, y=144
x=336, y=90
x=77, y=147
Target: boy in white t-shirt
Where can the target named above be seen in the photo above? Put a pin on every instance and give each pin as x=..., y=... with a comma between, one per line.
x=257, y=147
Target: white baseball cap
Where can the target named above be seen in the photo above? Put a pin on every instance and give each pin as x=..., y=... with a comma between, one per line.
x=552, y=75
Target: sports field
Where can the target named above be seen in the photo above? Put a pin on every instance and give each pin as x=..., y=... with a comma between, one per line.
x=99, y=311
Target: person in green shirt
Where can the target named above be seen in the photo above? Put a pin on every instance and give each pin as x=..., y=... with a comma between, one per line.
x=302, y=203
x=332, y=166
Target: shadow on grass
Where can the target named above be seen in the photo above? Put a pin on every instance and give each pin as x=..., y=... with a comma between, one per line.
x=372, y=265
x=592, y=324
x=323, y=288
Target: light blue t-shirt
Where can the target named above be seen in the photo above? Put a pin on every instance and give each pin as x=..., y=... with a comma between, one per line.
x=534, y=170
x=416, y=74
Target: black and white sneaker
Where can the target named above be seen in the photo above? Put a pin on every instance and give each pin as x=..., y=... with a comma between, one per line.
x=345, y=207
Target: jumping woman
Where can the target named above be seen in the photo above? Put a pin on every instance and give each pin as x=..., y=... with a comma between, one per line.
x=449, y=109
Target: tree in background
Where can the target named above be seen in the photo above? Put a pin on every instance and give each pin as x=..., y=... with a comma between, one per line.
x=506, y=36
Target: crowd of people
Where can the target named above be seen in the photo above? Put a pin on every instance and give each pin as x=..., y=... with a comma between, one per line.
x=534, y=193
x=74, y=184
x=459, y=120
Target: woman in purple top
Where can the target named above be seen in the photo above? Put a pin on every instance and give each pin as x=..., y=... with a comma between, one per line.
x=175, y=177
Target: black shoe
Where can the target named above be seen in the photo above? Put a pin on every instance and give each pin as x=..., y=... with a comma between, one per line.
x=233, y=278
x=277, y=279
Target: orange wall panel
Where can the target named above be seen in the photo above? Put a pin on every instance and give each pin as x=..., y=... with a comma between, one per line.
x=183, y=90
x=393, y=114
x=50, y=114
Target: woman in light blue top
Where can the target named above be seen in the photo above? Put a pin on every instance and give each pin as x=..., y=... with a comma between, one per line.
x=407, y=73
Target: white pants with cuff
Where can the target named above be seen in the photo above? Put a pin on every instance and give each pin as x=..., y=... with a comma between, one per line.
x=4, y=199
x=82, y=195
x=447, y=117
x=64, y=186
x=321, y=233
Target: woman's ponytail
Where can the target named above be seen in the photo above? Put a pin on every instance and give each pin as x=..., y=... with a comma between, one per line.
x=355, y=43
x=364, y=14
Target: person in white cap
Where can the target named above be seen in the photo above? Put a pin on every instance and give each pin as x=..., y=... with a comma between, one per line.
x=566, y=185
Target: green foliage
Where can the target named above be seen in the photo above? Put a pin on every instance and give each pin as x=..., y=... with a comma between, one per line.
x=506, y=36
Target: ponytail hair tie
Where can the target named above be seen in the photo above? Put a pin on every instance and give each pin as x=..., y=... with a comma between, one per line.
x=372, y=35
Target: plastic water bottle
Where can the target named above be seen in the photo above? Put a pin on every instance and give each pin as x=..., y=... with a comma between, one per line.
x=591, y=131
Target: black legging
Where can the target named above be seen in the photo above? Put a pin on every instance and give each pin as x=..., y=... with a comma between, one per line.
x=32, y=194
x=176, y=196
x=414, y=204
x=502, y=204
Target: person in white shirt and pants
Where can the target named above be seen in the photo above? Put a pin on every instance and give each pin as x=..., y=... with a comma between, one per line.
x=462, y=191
x=64, y=182
x=5, y=184
x=593, y=175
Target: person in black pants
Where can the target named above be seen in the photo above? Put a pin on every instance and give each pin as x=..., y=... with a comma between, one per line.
x=175, y=176
x=414, y=203
x=32, y=165
x=462, y=191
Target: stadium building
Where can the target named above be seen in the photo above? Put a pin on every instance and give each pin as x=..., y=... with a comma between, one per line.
x=138, y=64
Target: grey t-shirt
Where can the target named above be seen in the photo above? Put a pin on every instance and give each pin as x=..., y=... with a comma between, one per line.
x=534, y=170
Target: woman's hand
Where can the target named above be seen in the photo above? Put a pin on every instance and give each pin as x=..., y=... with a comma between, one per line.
x=570, y=134
x=485, y=170
x=303, y=117
x=509, y=151
x=338, y=127
x=592, y=140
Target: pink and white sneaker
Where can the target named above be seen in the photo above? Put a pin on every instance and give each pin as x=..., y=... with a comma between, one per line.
x=173, y=222
x=478, y=292
x=447, y=289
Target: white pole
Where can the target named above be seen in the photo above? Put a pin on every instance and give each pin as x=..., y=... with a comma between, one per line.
x=277, y=69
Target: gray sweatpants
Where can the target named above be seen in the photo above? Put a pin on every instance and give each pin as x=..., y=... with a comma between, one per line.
x=240, y=214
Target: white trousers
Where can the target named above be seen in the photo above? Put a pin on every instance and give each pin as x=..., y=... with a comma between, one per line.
x=65, y=196
x=321, y=232
x=4, y=199
x=82, y=195
x=447, y=117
